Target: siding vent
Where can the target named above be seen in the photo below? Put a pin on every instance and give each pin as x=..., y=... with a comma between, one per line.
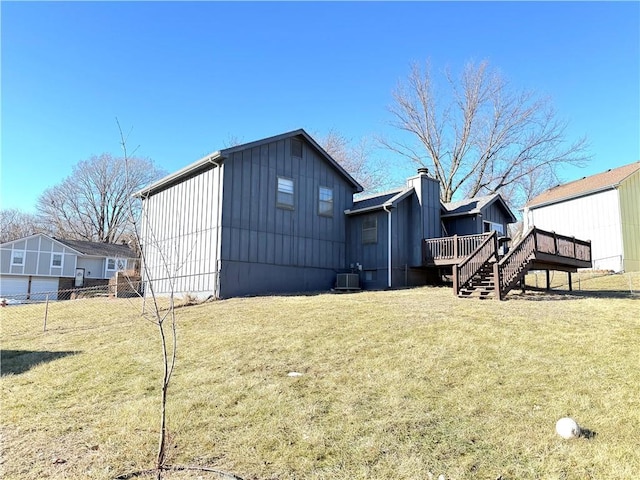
x=296, y=147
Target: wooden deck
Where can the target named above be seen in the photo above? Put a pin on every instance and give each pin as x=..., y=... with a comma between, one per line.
x=446, y=251
x=478, y=265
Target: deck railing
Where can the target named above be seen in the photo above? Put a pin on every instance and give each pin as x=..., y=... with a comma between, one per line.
x=514, y=265
x=467, y=269
x=451, y=248
x=562, y=246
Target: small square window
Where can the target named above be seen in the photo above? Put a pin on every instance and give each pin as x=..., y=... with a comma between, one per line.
x=56, y=260
x=111, y=263
x=325, y=202
x=490, y=226
x=296, y=147
x=17, y=257
x=285, y=193
x=370, y=229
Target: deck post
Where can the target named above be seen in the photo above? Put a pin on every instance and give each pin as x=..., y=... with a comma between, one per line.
x=548, y=280
x=455, y=247
x=455, y=279
x=496, y=278
x=569, y=274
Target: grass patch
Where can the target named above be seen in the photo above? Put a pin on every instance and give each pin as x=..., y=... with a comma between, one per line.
x=396, y=384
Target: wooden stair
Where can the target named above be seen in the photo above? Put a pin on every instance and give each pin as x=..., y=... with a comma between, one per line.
x=484, y=275
x=481, y=285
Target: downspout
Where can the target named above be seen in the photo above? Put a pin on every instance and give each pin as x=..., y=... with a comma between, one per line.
x=387, y=208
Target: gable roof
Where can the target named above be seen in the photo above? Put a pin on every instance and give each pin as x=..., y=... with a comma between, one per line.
x=216, y=158
x=471, y=206
x=85, y=247
x=379, y=200
x=585, y=186
x=97, y=249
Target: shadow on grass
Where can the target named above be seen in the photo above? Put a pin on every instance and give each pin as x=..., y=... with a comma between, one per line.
x=14, y=362
x=534, y=294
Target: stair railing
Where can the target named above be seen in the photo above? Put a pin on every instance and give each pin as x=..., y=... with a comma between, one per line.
x=510, y=268
x=468, y=268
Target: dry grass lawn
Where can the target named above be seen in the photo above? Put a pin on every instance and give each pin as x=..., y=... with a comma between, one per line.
x=400, y=384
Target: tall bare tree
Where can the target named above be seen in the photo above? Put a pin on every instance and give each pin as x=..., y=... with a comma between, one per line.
x=479, y=135
x=15, y=224
x=93, y=202
x=356, y=159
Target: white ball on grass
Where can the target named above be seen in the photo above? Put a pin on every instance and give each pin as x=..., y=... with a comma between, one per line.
x=567, y=428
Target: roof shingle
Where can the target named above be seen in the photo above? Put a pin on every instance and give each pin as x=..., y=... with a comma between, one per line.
x=99, y=249
x=586, y=185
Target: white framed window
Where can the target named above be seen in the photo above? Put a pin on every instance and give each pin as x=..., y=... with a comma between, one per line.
x=17, y=257
x=491, y=226
x=325, y=202
x=116, y=264
x=370, y=229
x=56, y=260
x=285, y=193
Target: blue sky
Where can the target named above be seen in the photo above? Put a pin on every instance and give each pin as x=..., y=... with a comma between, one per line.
x=189, y=76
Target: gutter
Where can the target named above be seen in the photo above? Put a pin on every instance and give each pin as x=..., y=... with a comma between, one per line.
x=214, y=159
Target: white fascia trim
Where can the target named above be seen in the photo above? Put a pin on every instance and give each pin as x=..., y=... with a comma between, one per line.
x=211, y=158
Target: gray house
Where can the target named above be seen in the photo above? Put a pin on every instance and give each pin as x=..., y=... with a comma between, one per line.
x=388, y=230
x=263, y=217
x=33, y=266
x=278, y=215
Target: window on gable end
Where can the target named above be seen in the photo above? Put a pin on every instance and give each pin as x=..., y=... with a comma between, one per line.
x=325, y=202
x=285, y=193
x=56, y=260
x=17, y=258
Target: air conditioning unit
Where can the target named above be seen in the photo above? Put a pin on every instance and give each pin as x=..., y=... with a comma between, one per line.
x=348, y=281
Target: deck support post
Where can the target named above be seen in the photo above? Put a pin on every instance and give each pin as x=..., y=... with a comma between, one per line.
x=496, y=278
x=548, y=280
x=570, y=285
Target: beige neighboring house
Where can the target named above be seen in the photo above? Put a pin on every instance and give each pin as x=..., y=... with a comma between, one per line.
x=603, y=208
x=37, y=266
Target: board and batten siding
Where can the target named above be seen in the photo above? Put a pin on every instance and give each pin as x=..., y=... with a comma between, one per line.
x=269, y=249
x=629, y=191
x=373, y=257
x=180, y=235
x=593, y=217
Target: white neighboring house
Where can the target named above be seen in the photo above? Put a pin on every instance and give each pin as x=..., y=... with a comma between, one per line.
x=37, y=265
x=603, y=208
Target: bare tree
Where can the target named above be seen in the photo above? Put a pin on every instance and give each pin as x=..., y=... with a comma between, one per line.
x=355, y=159
x=162, y=314
x=15, y=224
x=93, y=202
x=480, y=136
